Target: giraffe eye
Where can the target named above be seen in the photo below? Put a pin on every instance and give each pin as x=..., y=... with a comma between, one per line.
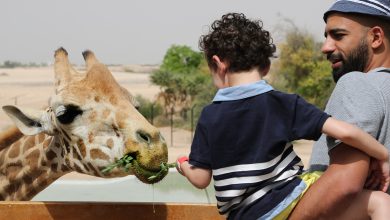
x=66, y=114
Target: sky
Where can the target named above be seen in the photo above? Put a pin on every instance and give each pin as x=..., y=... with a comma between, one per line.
x=135, y=31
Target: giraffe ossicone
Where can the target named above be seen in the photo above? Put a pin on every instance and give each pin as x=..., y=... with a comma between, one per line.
x=90, y=123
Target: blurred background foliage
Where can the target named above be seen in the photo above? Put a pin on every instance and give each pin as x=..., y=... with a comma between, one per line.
x=302, y=68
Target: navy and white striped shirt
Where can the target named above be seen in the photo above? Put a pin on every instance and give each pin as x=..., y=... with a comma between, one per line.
x=245, y=138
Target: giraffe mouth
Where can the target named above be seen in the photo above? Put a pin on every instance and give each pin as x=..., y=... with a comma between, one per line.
x=130, y=164
x=148, y=176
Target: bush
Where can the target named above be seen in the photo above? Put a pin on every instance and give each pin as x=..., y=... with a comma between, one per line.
x=149, y=109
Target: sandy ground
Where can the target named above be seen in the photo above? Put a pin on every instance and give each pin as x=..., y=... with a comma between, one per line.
x=32, y=87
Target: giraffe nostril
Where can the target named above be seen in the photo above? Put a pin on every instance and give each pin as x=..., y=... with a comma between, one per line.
x=144, y=137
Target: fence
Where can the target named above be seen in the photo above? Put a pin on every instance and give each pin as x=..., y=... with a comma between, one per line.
x=185, y=124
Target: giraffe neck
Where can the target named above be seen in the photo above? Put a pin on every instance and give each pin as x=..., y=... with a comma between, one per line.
x=29, y=165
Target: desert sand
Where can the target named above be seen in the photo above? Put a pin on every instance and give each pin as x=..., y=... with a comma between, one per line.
x=32, y=87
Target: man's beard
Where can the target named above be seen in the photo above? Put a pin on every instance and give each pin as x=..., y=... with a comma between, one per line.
x=355, y=61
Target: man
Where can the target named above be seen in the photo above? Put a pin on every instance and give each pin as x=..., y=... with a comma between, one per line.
x=357, y=45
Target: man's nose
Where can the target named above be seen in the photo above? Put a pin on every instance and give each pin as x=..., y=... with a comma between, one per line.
x=328, y=46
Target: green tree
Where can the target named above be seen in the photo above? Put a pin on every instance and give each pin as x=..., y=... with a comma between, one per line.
x=180, y=78
x=181, y=59
x=303, y=69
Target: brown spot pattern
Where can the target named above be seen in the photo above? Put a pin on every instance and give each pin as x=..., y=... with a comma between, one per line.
x=27, y=179
x=13, y=170
x=106, y=113
x=131, y=146
x=82, y=148
x=29, y=143
x=98, y=154
x=9, y=136
x=36, y=174
x=41, y=137
x=43, y=163
x=46, y=143
x=54, y=166
x=31, y=193
x=113, y=99
x=92, y=116
x=64, y=167
x=43, y=179
x=2, y=156
x=110, y=143
x=14, y=151
x=51, y=155
x=90, y=137
x=32, y=159
x=120, y=118
x=12, y=188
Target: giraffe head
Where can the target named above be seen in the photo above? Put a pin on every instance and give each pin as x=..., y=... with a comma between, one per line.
x=95, y=122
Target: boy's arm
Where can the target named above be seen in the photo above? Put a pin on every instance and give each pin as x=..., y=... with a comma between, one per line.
x=199, y=177
x=355, y=137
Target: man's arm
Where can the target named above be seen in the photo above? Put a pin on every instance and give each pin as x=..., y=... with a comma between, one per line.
x=337, y=187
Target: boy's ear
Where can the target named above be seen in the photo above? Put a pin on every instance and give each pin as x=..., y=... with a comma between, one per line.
x=221, y=66
x=265, y=70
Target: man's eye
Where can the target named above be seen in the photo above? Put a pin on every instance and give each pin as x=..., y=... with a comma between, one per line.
x=68, y=114
x=338, y=36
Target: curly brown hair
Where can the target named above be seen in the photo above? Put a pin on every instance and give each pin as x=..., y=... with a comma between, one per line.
x=238, y=41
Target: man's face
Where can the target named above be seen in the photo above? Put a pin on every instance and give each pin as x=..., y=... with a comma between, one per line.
x=345, y=45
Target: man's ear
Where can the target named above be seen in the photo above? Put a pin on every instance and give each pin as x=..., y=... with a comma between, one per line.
x=29, y=122
x=377, y=37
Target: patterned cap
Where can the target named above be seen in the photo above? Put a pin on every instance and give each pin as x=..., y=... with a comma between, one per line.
x=379, y=8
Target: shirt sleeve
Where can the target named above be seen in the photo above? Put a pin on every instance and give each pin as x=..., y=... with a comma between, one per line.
x=357, y=102
x=308, y=121
x=200, y=150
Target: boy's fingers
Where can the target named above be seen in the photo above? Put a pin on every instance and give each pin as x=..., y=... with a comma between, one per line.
x=371, y=181
x=384, y=186
x=374, y=181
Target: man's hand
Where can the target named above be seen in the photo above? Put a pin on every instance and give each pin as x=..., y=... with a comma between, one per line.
x=378, y=176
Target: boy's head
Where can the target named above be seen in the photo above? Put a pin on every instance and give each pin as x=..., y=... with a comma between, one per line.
x=241, y=43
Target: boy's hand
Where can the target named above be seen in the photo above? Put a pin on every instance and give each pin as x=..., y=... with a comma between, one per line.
x=378, y=177
x=179, y=161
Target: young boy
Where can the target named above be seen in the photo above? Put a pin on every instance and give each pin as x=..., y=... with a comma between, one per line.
x=243, y=139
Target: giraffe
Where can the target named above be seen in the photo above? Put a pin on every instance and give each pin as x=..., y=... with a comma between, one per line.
x=91, y=122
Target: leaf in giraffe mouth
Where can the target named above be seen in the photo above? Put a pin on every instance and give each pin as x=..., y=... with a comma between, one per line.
x=128, y=163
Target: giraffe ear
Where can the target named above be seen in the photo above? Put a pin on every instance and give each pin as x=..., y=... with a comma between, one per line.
x=29, y=122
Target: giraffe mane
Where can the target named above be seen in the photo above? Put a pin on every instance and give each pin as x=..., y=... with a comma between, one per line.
x=9, y=136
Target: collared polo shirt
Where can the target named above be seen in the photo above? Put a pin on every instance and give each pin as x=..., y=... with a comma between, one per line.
x=245, y=138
